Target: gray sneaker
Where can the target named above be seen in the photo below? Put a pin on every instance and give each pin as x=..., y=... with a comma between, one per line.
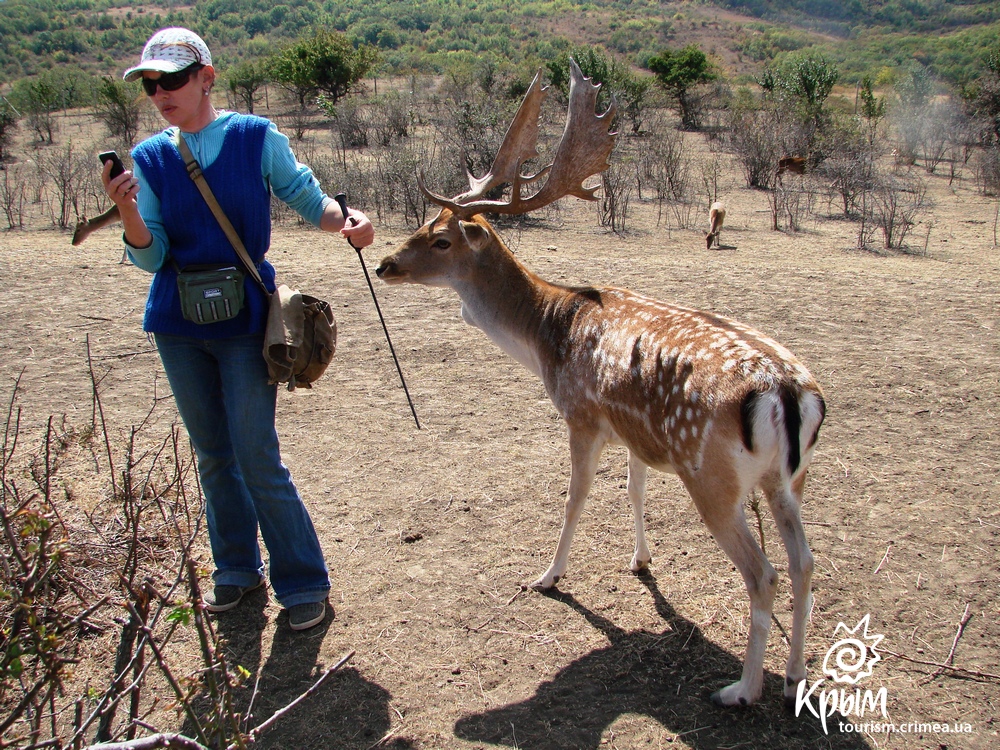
x=224, y=598
x=305, y=616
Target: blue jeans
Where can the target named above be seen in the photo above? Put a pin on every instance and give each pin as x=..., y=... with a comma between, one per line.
x=228, y=408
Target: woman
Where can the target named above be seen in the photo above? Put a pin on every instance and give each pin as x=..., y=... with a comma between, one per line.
x=216, y=370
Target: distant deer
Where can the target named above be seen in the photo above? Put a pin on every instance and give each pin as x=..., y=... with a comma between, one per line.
x=793, y=164
x=716, y=215
x=689, y=392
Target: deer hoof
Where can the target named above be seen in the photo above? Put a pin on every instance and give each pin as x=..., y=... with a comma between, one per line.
x=791, y=691
x=637, y=565
x=545, y=583
x=732, y=696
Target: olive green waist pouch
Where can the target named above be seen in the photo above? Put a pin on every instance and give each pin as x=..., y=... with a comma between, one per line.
x=210, y=294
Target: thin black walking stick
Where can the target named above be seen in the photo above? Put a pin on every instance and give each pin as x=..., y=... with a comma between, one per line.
x=342, y=200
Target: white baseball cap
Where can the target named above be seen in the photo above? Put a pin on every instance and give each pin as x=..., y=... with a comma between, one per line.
x=170, y=50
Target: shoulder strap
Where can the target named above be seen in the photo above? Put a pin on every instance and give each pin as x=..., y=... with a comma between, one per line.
x=194, y=172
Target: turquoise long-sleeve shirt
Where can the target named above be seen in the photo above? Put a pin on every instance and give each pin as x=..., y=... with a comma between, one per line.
x=290, y=180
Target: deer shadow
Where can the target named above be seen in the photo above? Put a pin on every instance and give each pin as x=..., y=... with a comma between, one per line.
x=667, y=677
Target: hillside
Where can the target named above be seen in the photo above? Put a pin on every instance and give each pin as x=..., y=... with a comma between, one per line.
x=850, y=17
x=100, y=35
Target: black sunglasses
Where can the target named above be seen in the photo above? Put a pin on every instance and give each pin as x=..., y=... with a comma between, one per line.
x=170, y=81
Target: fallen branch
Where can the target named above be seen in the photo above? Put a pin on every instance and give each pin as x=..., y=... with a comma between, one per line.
x=153, y=742
x=263, y=727
x=966, y=616
x=170, y=741
x=884, y=558
x=959, y=670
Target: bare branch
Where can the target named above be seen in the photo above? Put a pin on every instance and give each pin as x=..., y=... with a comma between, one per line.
x=263, y=727
x=165, y=740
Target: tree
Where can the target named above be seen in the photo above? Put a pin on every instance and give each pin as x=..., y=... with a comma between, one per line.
x=245, y=80
x=800, y=88
x=679, y=71
x=629, y=89
x=913, y=92
x=915, y=87
x=871, y=111
x=850, y=168
x=39, y=99
x=327, y=63
x=8, y=123
x=118, y=107
x=810, y=80
x=65, y=169
x=982, y=101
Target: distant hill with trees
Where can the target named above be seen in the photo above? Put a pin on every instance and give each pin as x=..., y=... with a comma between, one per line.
x=98, y=36
x=850, y=17
x=722, y=65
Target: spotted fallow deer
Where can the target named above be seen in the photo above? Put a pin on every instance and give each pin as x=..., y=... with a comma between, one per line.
x=686, y=391
x=716, y=215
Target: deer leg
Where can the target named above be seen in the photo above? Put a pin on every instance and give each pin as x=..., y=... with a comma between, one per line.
x=637, y=471
x=585, y=449
x=720, y=504
x=785, y=501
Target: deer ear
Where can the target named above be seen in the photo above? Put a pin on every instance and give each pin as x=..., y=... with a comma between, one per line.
x=476, y=234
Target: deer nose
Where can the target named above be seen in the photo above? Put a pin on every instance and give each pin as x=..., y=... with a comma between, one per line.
x=385, y=265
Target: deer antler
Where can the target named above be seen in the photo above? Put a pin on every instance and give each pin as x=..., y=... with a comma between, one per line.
x=583, y=151
x=520, y=144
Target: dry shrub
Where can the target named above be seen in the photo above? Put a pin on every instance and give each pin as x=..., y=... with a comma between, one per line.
x=664, y=164
x=617, y=185
x=891, y=208
x=66, y=170
x=100, y=556
x=13, y=194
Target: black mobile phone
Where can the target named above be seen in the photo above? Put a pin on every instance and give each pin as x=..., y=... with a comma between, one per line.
x=116, y=164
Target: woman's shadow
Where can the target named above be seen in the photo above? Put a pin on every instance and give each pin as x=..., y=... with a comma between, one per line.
x=665, y=676
x=347, y=711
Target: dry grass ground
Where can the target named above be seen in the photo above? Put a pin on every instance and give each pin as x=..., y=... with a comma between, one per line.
x=429, y=534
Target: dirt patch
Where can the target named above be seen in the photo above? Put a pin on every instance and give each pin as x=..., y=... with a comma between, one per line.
x=429, y=534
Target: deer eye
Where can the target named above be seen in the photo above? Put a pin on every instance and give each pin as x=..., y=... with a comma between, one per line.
x=442, y=244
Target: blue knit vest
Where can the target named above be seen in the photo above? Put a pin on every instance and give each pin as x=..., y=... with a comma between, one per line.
x=194, y=233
